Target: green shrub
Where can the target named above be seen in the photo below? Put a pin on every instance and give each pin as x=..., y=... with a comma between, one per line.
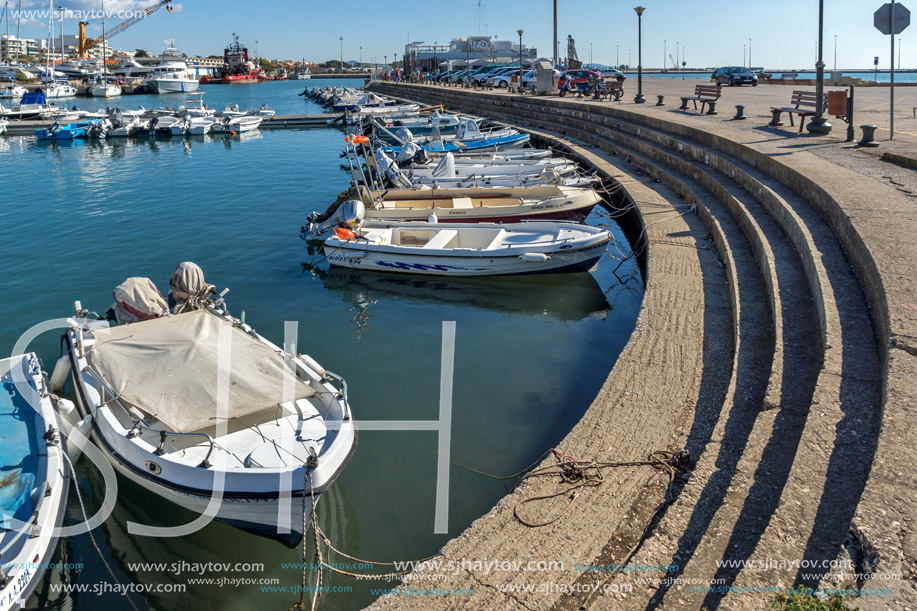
x=804, y=599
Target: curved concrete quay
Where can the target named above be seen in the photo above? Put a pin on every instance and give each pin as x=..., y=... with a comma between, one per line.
x=777, y=344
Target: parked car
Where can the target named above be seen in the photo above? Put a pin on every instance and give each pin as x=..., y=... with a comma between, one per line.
x=481, y=76
x=735, y=75
x=612, y=74
x=578, y=77
x=458, y=76
x=504, y=79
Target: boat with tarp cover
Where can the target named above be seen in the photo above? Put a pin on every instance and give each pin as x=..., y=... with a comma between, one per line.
x=191, y=403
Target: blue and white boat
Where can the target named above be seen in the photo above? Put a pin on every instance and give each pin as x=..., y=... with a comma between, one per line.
x=71, y=131
x=498, y=143
x=467, y=249
x=34, y=475
x=468, y=137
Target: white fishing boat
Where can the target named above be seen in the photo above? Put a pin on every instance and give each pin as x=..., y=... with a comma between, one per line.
x=197, y=407
x=195, y=107
x=13, y=92
x=475, y=205
x=463, y=249
x=158, y=126
x=194, y=126
x=36, y=475
x=172, y=75
x=237, y=125
x=447, y=174
x=124, y=127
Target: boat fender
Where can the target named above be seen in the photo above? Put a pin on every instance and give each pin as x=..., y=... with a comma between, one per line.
x=313, y=365
x=60, y=373
x=344, y=234
x=359, y=254
x=534, y=257
x=433, y=218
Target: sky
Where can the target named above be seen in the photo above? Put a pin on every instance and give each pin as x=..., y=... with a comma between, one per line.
x=782, y=34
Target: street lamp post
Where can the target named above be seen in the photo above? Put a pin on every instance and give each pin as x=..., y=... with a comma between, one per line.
x=835, y=52
x=640, y=98
x=341, y=39
x=749, y=53
x=819, y=123
x=361, y=57
x=520, y=33
x=664, y=56
x=555, y=32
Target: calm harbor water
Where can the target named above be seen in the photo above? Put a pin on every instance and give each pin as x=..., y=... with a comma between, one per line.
x=77, y=219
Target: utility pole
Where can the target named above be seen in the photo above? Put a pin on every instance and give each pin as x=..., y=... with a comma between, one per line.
x=341, y=39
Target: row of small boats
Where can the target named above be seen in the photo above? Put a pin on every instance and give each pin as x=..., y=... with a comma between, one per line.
x=118, y=126
x=188, y=401
x=478, y=202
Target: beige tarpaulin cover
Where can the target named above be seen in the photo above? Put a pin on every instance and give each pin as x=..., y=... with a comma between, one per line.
x=167, y=367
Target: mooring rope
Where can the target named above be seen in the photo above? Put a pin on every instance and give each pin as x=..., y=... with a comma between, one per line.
x=79, y=496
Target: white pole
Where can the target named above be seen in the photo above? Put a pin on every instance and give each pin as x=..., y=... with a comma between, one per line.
x=891, y=95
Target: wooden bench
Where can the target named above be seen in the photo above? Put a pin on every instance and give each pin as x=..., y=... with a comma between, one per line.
x=803, y=104
x=707, y=95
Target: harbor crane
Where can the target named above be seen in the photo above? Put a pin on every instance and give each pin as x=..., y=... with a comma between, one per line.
x=88, y=43
x=674, y=63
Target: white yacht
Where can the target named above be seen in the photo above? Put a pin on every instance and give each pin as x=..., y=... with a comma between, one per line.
x=172, y=74
x=104, y=89
x=55, y=91
x=13, y=92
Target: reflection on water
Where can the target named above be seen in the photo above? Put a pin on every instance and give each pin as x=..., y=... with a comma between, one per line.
x=564, y=297
x=531, y=353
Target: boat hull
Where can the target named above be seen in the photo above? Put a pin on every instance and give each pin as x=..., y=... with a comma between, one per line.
x=24, y=558
x=359, y=256
x=174, y=85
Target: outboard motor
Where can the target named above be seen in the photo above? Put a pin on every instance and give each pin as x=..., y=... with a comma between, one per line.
x=348, y=214
x=188, y=289
x=404, y=135
x=446, y=167
x=407, y=153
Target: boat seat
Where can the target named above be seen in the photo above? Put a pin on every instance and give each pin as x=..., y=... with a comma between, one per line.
x=462, y=202
x=497, y=239
x=441, y=239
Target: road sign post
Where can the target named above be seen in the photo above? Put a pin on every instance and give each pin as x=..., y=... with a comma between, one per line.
x=891, y=19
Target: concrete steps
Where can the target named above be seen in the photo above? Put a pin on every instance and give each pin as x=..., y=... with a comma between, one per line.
x=780, y=471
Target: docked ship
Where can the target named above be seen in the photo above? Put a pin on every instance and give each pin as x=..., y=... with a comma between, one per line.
x=172, y=74
x=238, y=67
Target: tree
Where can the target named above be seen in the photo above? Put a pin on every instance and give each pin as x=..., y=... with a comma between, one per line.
x=141, y=53
x=265, y=65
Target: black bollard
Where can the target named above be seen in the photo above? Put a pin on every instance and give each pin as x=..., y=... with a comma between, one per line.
x=869, y=136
